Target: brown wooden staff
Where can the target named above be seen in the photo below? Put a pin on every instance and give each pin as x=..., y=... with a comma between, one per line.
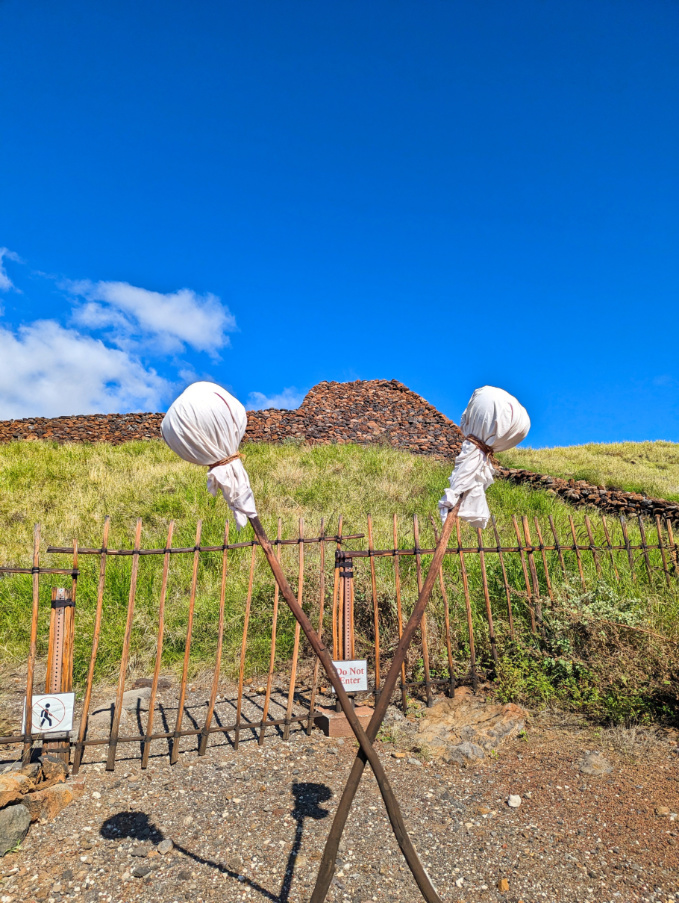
x=365, y=738
x=327, y=867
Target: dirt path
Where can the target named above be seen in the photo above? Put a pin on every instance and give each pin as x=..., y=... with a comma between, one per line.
x=250, y=825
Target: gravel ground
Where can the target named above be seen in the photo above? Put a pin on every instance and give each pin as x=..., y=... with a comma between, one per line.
x=250, y=824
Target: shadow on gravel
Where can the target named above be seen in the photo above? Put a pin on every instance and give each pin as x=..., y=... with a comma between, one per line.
x=308, y=799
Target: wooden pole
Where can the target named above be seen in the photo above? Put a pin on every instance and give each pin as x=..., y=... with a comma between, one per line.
x=423, y=628
x=79, y=748
x=125, y=656
x=32, y=649
x=399, y=614
x=202, y=747
x=367, y=751
x=159, y=647
x=272, y=655
x=243, y=650
x=174, y=755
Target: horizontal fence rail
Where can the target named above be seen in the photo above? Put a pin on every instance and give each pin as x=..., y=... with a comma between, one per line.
x=213, y=608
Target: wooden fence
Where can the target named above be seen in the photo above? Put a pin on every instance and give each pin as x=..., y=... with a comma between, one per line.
x=494, y=587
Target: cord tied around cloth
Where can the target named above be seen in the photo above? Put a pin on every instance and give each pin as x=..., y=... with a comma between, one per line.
x=225, y=461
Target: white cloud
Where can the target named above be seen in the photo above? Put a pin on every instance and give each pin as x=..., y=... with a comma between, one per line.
x=172, y=320
x=5, y=282
x=46, y=370
x=289, y=398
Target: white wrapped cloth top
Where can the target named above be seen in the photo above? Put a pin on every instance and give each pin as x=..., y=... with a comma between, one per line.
x=205, y=425
x=496, y=421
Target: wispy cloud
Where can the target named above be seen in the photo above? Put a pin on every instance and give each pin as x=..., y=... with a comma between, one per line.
x=289, y=398
x=172, y=320
x=6, y=283
x=47, y=370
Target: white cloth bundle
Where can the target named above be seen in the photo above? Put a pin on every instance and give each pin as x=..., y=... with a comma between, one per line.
x=496, y=418
x=205, y=425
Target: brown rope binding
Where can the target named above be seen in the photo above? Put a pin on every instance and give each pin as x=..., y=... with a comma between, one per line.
x=224, y=461
x=486, y=449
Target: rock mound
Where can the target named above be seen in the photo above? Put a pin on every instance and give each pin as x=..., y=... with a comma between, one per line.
x=463, y=729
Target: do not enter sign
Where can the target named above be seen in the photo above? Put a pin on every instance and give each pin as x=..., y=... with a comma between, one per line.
x=354, y=675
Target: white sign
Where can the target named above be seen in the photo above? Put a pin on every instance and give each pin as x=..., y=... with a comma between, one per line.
x=354, y=675
x=52, y=713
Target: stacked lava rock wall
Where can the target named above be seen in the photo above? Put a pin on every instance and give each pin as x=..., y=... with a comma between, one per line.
x=363, y=412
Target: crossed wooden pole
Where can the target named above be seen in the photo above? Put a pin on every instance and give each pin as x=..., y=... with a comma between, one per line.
x=366, y=752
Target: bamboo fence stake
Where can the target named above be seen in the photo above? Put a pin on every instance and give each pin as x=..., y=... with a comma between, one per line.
x=174, y=755
x=376, y=614
x=658, y=528
x=486, y=595
x=529, y=594
x=335, y=630
x=423, y=626
x=557, y=544
x=544, y=559
x=115, y=727
x=32, y=650
x=295, y=650
x=79, y=748
x=533, y=573
x=592, y=546
x=577, y=553
x=202, y=746
x=610, y=547
x=672, y=546
x=644, y=547
x=146, y=745
x=399, y=614
x=446, y=615
x=630, y=557
x=504, y=578
x=243, y=649
x=468, y=606
x=272, y=656
x=321, y=592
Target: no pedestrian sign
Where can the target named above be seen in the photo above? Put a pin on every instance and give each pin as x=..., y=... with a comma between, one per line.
x=354, y=675
x=52, y=713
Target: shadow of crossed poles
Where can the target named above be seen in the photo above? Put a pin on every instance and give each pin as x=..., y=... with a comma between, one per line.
x=308, y=797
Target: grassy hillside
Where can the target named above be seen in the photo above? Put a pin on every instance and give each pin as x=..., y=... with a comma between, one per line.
x=69, y=489
x=651, y=468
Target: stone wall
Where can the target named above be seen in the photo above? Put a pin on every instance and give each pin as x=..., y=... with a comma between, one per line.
x=362, y=412
x=581, y=493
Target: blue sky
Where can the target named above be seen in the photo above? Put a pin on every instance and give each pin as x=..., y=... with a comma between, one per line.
x=270, y=194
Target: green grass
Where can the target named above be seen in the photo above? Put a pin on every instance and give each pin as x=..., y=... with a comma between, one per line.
x=69, y=489
x=651, y=468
